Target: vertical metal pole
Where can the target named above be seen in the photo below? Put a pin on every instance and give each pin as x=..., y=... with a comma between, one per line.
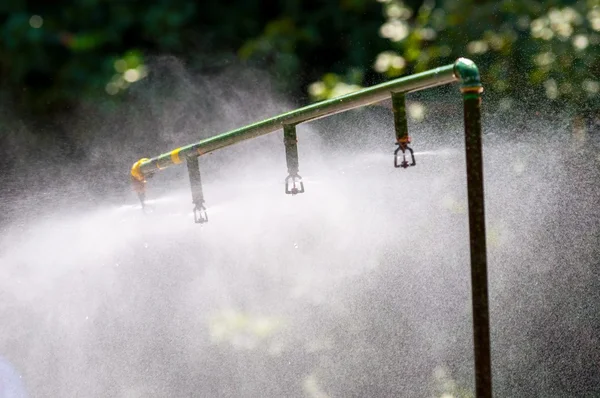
x=400, y=121
x=293, y=182
x=290, y=140
x=401, y=128
x=479, y=280
x=200, y=215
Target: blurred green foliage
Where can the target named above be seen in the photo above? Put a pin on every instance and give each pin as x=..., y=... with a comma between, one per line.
x=545, y=50
x=546, y=47
x=56, y=54
x=53, y=54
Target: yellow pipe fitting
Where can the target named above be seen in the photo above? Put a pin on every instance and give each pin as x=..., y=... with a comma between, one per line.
x=136, y=173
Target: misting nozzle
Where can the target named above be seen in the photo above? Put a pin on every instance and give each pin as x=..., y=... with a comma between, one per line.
x=138, y=181
x=294, y=185
x=403, y=146
x=139, y=186
x=200, y=215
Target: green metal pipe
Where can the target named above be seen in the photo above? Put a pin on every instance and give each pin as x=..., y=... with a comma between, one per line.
x=367, y=96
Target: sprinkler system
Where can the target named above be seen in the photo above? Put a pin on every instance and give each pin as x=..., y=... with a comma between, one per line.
x=463, y=71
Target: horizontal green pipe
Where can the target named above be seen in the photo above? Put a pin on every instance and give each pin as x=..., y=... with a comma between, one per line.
x=460, y=70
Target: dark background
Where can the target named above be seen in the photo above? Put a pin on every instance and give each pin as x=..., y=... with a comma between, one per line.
x=56, y=56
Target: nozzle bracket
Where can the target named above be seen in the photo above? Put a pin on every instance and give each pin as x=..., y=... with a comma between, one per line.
x=404, y=162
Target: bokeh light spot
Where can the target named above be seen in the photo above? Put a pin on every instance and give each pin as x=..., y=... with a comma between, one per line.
x=36, y=21
x=131, y=75
x=112, y=88
x=120, y=65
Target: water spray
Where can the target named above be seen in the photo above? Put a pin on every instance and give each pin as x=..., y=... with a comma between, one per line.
x=463, y=71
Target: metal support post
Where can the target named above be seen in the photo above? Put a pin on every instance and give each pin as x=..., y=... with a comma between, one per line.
x=472, y=89
x=200, y=215
x=293, y=182
x=401, y=127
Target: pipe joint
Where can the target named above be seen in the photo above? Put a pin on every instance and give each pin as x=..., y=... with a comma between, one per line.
x=467, y=74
